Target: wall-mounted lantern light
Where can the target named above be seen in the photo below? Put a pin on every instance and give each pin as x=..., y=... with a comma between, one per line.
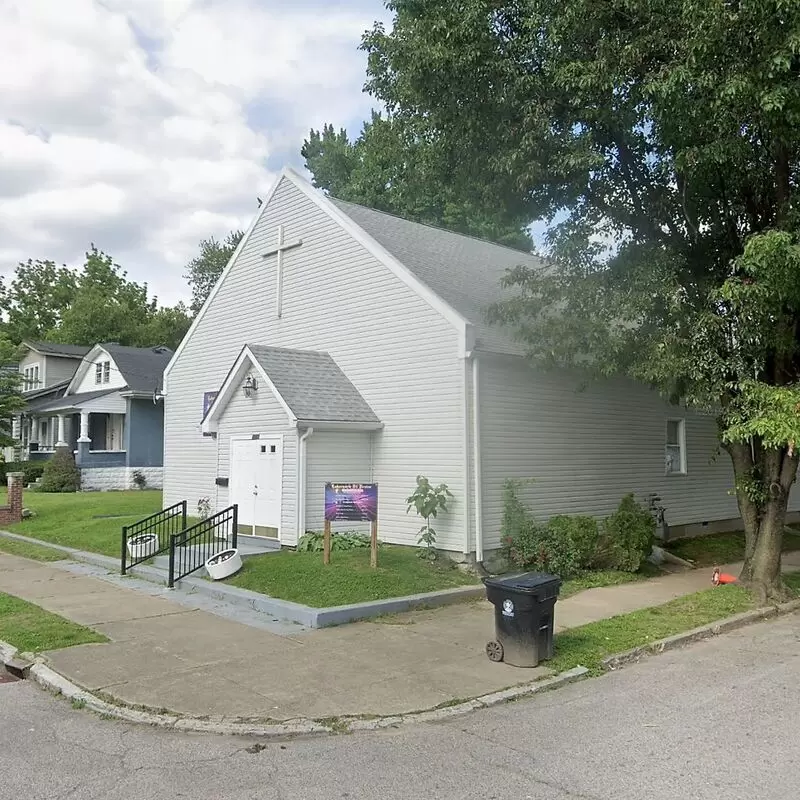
x=250, y=386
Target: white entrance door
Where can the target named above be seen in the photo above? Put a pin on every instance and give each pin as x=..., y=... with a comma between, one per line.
x=255, y=484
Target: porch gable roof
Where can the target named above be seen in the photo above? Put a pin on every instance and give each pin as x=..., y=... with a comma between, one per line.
x=309, y=385
x=72, y=402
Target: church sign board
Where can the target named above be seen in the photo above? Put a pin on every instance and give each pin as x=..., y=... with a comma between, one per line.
x=351, y=502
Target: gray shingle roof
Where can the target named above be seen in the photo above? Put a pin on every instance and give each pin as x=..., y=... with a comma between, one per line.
x=313, y=386
x=68, y=401
x=63, y=350
x=141, y=367
x=465, y=272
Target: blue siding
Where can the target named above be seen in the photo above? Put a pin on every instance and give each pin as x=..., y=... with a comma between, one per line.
x=144, y=433
x=94, y=460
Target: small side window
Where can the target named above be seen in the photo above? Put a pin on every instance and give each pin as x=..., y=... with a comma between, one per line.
x=675, y=448
x=98, y=373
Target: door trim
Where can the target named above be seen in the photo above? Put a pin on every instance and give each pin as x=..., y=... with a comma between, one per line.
x=247, y=437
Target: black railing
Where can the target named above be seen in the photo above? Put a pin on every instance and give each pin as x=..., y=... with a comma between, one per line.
x=190, y=549
x=151, y=536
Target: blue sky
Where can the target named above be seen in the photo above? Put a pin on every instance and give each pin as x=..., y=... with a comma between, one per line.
x=144, y=126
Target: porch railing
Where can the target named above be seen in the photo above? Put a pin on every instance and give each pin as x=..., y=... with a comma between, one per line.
x=151, y=536
x=190, y=549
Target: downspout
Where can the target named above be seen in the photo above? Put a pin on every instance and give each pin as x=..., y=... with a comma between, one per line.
x=465, y=411
x=301, y=482
x=476, y=460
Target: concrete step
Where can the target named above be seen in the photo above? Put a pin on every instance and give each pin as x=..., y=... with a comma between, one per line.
x=247, y=546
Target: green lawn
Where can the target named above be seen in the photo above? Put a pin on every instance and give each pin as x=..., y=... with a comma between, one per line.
x=34, y=551
x=32, y=629
x=607, y=577
x=721, y=548
x=85, y=520
x=590, y=644
x=303, y=578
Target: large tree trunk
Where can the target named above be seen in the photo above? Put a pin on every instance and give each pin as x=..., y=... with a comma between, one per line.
x=763, y=485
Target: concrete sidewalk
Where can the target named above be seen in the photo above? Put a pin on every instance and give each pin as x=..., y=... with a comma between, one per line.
x=164, y=655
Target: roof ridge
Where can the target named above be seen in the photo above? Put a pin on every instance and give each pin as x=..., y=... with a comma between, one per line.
x=435, y=227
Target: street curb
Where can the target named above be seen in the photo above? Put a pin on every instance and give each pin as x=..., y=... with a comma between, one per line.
x=698, y=634
x=283, y=610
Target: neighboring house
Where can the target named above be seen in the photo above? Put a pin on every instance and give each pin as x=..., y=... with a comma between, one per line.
x=106, y=411
x=342, y=344
x=46, y=370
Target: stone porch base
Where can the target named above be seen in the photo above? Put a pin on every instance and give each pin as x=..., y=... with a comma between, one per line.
x=103, y=479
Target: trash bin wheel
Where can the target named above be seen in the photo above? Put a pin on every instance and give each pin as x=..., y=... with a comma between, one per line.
x=494, y=650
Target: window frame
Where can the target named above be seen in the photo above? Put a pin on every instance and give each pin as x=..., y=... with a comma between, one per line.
x=30, y=377
x=669, y=447
x=98, y=372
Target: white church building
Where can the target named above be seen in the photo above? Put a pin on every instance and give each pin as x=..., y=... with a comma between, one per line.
x=342, y=344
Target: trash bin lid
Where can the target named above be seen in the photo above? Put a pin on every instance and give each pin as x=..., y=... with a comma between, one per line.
x=527, y=582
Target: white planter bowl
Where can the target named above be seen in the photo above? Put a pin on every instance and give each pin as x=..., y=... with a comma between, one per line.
x=142, y=546
x=223, y=564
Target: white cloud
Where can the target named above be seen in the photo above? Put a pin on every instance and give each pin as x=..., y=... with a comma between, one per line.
x=146, y=125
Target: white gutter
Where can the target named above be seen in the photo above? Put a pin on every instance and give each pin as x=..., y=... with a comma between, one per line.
x=476, y=459
x=301, y=482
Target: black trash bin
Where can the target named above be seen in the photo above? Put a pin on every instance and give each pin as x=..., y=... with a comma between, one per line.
x=524, y=607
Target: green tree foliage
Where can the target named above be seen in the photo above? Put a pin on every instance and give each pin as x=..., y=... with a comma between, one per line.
x=391, y=168
x=10, y=389
x=662, y=142
x=35, y=299
x=96, y=303
x=204, y=270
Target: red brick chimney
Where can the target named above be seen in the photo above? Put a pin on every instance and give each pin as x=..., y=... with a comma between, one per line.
x=12, y=512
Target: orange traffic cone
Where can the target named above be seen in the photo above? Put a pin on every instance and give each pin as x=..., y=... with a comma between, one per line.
x=722, y=577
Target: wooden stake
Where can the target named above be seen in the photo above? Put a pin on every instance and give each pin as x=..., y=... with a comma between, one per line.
x=373, y=545
x=326, y=553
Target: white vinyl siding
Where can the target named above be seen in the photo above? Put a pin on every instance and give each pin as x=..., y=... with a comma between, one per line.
x=335, y=457
x=585, y=448
x=402, y=356
x=100, y=373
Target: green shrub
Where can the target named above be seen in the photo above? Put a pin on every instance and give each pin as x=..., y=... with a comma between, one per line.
x=31, y=470
x=60, y=473
x=314, y=541
x=583, y=532
x=627, y=537
x=543, y=549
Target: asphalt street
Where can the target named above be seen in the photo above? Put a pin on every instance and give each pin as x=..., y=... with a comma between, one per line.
x=717, y=719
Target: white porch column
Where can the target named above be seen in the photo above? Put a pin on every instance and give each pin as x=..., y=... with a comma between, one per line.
x=36, y=429
x=62, y=431
x=84, y=437
x=16, y=428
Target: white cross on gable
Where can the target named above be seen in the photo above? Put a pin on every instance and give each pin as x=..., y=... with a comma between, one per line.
x=279, y=250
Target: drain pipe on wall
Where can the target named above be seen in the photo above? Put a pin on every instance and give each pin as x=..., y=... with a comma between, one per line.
x=301, y=482
x=476, y=462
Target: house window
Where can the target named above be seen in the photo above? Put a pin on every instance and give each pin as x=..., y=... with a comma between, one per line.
x=30, y=377
x=102, y=372
x=106, y=371
x=675, y=450
x=98, y=373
